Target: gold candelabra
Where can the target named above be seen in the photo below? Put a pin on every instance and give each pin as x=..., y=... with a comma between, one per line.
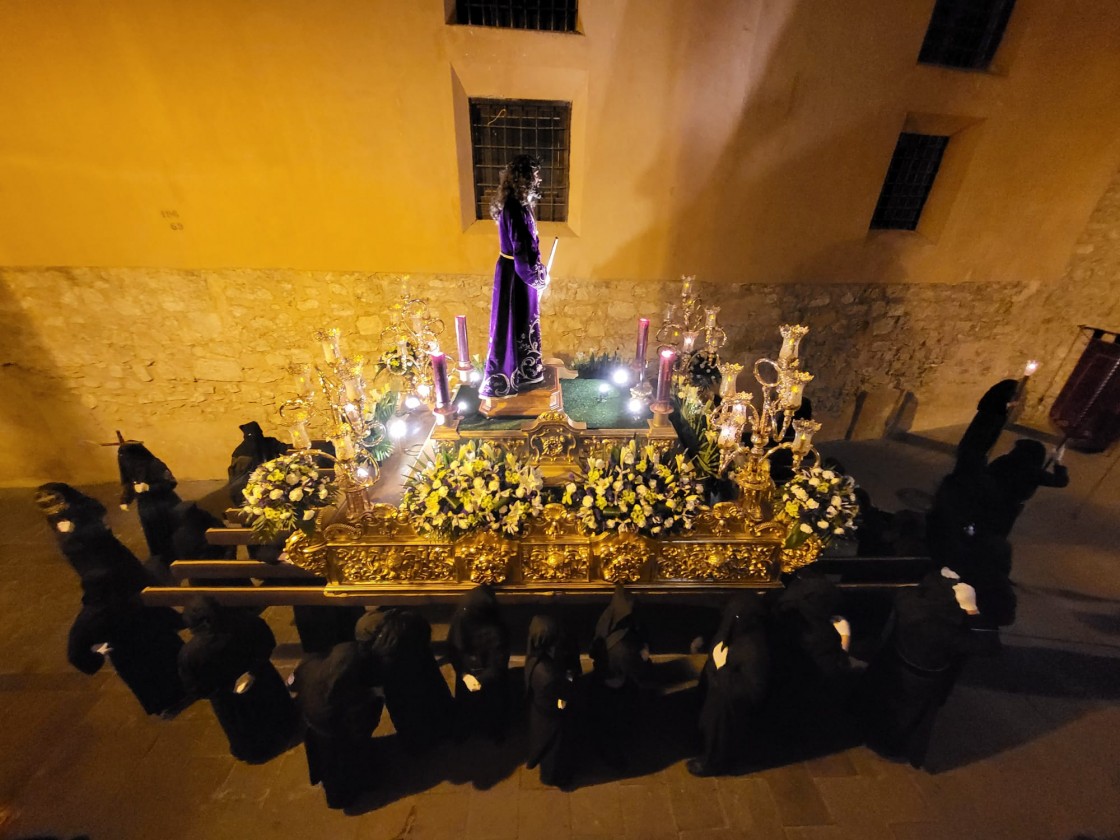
x=333, y=394
x=688, y=323
x=769, y=425
x=413, y=334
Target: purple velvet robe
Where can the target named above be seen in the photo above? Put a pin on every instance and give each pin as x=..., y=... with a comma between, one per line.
x=513, y=360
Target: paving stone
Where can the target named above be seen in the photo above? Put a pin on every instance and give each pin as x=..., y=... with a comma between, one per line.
x=544, y=814
x=749, y=805
x=647, y=812
x=797, y=798
x=597, y=810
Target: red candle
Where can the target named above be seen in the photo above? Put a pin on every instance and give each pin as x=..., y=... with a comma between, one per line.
x=461, y=335
x=665, y=376
x=643, y=339
x=439, y=373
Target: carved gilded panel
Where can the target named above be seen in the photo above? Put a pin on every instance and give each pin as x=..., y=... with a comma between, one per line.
x=717, y=562
x=376, y=564
x=556, y=562
x=622, y=557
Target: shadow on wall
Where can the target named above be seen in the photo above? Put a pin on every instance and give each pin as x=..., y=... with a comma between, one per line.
x=38, y=406
x=714, y=217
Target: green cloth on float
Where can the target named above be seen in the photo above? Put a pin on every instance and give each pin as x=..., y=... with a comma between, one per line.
x=581, y=402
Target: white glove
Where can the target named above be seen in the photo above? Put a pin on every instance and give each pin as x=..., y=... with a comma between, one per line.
x=140, y=487
x=244, y=683
x=644, y=653
x=471, y=682
x=65, y=526
x=946, y=572
x=561, y=704
x=719, y=655
x=843, y=629
x=966, y=598
x=124, y=507
x=1059, y=453
x=102, y=648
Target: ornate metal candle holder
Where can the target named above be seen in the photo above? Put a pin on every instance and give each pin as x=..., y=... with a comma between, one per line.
x=781, y=397
x=413, y=333
x=689, y=327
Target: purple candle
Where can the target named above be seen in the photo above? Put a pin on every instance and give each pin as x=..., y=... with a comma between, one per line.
x=439, y=373
x=665, y=375
x=643, y=339
x=461, y=335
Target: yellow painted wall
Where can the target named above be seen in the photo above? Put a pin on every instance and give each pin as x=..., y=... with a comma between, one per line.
x=741, y=141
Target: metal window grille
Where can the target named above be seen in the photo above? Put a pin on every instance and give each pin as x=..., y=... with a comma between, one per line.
x=544, y=15
x=909, y=180
x=501, y=129
x=965, y=33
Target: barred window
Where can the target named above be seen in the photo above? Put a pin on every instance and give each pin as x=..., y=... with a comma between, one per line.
x=501, y=129
x=965, y=33
x=543, y=15
x=909, y=180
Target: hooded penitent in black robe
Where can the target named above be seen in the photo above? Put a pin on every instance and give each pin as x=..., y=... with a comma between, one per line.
x=156, y=504
x=733, y=693
x=551, y=670
x=983, y=432
x=810, y=668
x=143, y=642
x=964, y=506
x=336, y=695
x=985, y=564
x=1017, y=475
x=620, y=657
x=188, y=539
x=478, y=645
x=226, y=644
x=416, y=694
x=255, y=449
x=911, y=677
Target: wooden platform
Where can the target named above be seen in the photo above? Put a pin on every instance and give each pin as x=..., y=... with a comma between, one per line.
x=544, y=397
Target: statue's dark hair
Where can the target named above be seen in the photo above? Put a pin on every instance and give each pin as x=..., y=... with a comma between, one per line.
x=518, y=180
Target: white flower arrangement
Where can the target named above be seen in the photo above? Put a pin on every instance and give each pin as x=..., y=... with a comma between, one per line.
x=285, y=493
x=480, y=487
x=820, y=503
x=632, y=490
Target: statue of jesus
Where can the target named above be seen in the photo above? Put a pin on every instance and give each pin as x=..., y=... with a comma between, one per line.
x=513, y=360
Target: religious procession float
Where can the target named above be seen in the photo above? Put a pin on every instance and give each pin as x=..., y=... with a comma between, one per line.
x=602, y=473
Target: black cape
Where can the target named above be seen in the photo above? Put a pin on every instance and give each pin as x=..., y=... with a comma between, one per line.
x=478, y=644
x=155, y=505
x=227, y=643
x=255, y=449
x=551, y=670
x=733, y=693
x=912, y=676
x=416, y=694
x=335, y=693
x=1017, y=475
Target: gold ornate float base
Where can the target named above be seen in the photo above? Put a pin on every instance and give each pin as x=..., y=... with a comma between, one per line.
x=379, y=551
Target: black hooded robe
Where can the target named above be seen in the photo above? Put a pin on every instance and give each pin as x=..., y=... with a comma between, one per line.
x=811, y=670
x=227, y=643
x=416, y=694
x=156, y=505
x=911, y=678
x=478, y=644
x=143, y=644
x=618, y=653
x=984, y=430
x=734, y=692
x=335, y=693
x=550, y=675
x=255, y=449
x=1017, y=475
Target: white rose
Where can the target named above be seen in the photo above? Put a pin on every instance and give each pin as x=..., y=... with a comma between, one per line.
x=829, y=474
x=276, y=494
x=822, y=524
x=588, y=501
x=65, y=526
x=292, y=478
x=812, y=504
x=296, y=494
x=308, y=514
x=805, y=528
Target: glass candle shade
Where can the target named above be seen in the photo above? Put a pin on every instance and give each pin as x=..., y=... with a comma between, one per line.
x=729, y=379
x=300, y=438
x=791, y=340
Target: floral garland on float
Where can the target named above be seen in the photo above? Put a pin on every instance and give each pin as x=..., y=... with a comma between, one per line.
x=478, y=487
x=633, y=490
x=820, y=505
x=286, y=493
